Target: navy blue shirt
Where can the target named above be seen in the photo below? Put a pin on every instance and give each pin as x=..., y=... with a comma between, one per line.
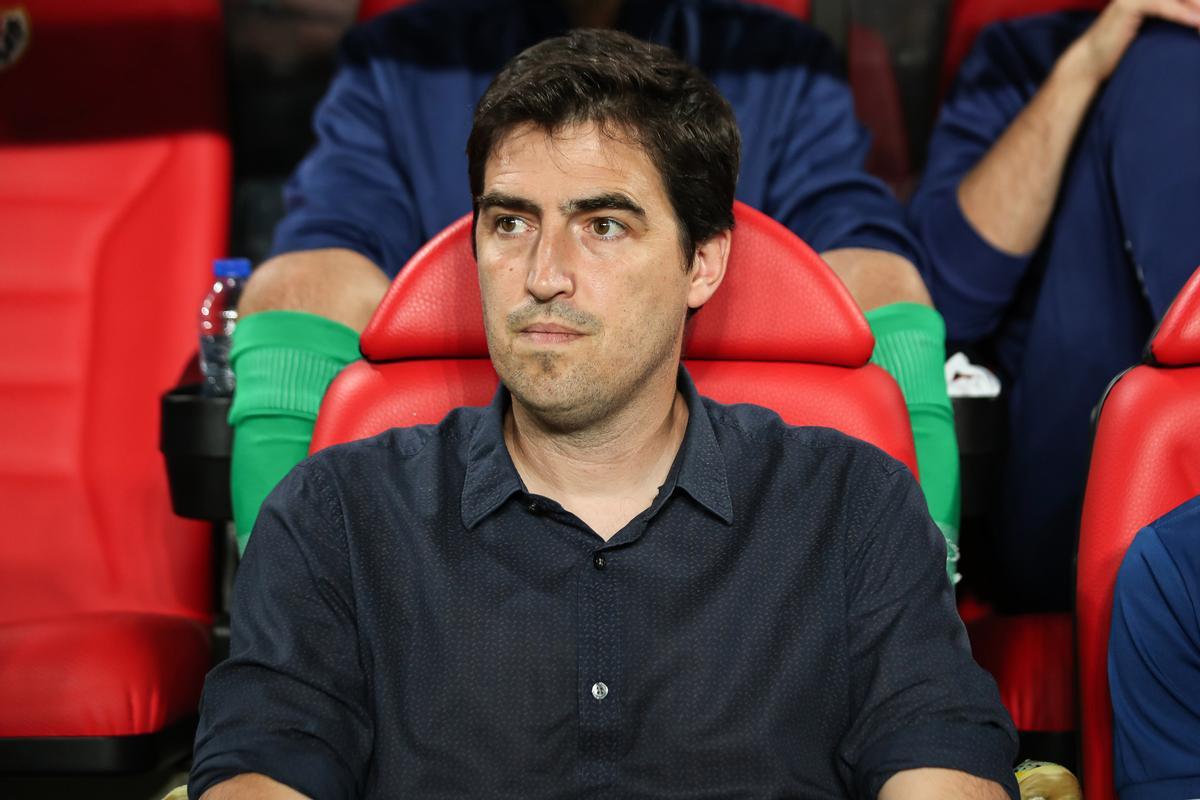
x=410, y=622
x=389, y=169
x=1154, y=661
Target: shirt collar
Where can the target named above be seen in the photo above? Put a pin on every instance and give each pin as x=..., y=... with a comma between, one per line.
x=492, y=478
x=702, y=469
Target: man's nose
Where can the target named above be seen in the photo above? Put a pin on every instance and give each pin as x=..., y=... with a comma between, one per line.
x=551, y=271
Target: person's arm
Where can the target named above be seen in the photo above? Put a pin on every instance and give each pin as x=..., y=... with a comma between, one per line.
x=925, y=717
x=877, y=278
x=291, y=701
x=940, y=784
x=1009, y=195
x=336, y=283
x=252, y=787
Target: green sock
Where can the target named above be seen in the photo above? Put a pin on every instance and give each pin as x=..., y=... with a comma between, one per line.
x=910, y=343
x=283, y=361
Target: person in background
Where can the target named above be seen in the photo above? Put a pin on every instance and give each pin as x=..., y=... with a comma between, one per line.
x=385, y=176
x=602, y=584
x=1154, y=660
x=1059, y=211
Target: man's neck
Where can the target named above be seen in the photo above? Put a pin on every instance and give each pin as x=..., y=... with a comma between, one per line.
x=592, y=13
x=608, y=473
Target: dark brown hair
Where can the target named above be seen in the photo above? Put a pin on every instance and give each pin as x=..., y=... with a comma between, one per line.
x=634, y=90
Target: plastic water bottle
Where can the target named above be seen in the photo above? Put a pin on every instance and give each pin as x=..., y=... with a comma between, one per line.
x=218, y=318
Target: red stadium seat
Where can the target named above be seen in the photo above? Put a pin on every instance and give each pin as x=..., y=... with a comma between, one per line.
x=114, y=187
x=1145, y=462
x=969, y=17
x=782, y=332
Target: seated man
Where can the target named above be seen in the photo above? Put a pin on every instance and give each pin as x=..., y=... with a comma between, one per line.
x=1154, y=660
x=385, y=177
x=602, y=584
x=1059, y=209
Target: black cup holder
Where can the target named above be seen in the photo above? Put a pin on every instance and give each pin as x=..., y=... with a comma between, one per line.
x=195, y=440
x=981, y=427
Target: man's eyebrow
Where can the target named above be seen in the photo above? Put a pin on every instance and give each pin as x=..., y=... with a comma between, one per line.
x=615, y=201
x=490, y=200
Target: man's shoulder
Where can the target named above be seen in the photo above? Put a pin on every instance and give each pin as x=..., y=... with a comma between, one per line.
x=1039, y=36
x=759, y=34
x=755, y=428
x=756, y=15
x=1012, y=58
x=439, y=33
x=1173, y=541
x=1182, y=525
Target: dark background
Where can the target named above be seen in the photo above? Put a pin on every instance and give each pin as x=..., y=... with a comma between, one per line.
x=282, y=54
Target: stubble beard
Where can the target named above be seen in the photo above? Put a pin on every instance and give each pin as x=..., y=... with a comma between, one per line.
x=570, y=394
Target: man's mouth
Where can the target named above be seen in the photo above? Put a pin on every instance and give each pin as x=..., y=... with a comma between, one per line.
x=549, y=333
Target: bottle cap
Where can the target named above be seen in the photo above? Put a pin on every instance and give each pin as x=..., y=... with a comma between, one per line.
x=231, y=268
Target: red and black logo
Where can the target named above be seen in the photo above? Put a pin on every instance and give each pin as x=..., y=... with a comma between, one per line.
x=14, y=35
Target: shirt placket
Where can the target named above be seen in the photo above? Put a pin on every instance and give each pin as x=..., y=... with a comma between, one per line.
x=601, y=675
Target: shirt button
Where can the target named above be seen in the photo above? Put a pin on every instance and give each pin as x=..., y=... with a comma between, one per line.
x=534, y=507
x=598, y=561
x=599, y=691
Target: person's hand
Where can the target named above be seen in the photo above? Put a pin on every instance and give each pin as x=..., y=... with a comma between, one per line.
x=1098, y=51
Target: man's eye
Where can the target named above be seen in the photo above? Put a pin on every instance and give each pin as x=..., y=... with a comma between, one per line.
x=510, y=225
x=606, y=228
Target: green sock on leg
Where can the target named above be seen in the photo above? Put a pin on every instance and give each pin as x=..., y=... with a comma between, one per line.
x=283, y=361
x=910, y=343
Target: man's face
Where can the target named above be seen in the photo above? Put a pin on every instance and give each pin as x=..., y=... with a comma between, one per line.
x=582, y=277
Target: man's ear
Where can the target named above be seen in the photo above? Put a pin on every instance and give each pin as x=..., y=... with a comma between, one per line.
x=708, y=268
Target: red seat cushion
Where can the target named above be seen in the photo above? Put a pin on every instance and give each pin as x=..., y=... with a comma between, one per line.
x=102, y=674
x=1145, y=462
x=1032, y=658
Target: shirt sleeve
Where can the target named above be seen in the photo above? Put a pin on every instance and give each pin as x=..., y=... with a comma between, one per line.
x=350, y=190
x=818, y=187
x=1153, y=672
x=972, y=283
x=290, y=701
x=919, y=698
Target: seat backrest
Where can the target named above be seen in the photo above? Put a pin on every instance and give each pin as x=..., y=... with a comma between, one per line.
x=969, y=17
x=782, y=332
x=114, y=187
x=1145, y=462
